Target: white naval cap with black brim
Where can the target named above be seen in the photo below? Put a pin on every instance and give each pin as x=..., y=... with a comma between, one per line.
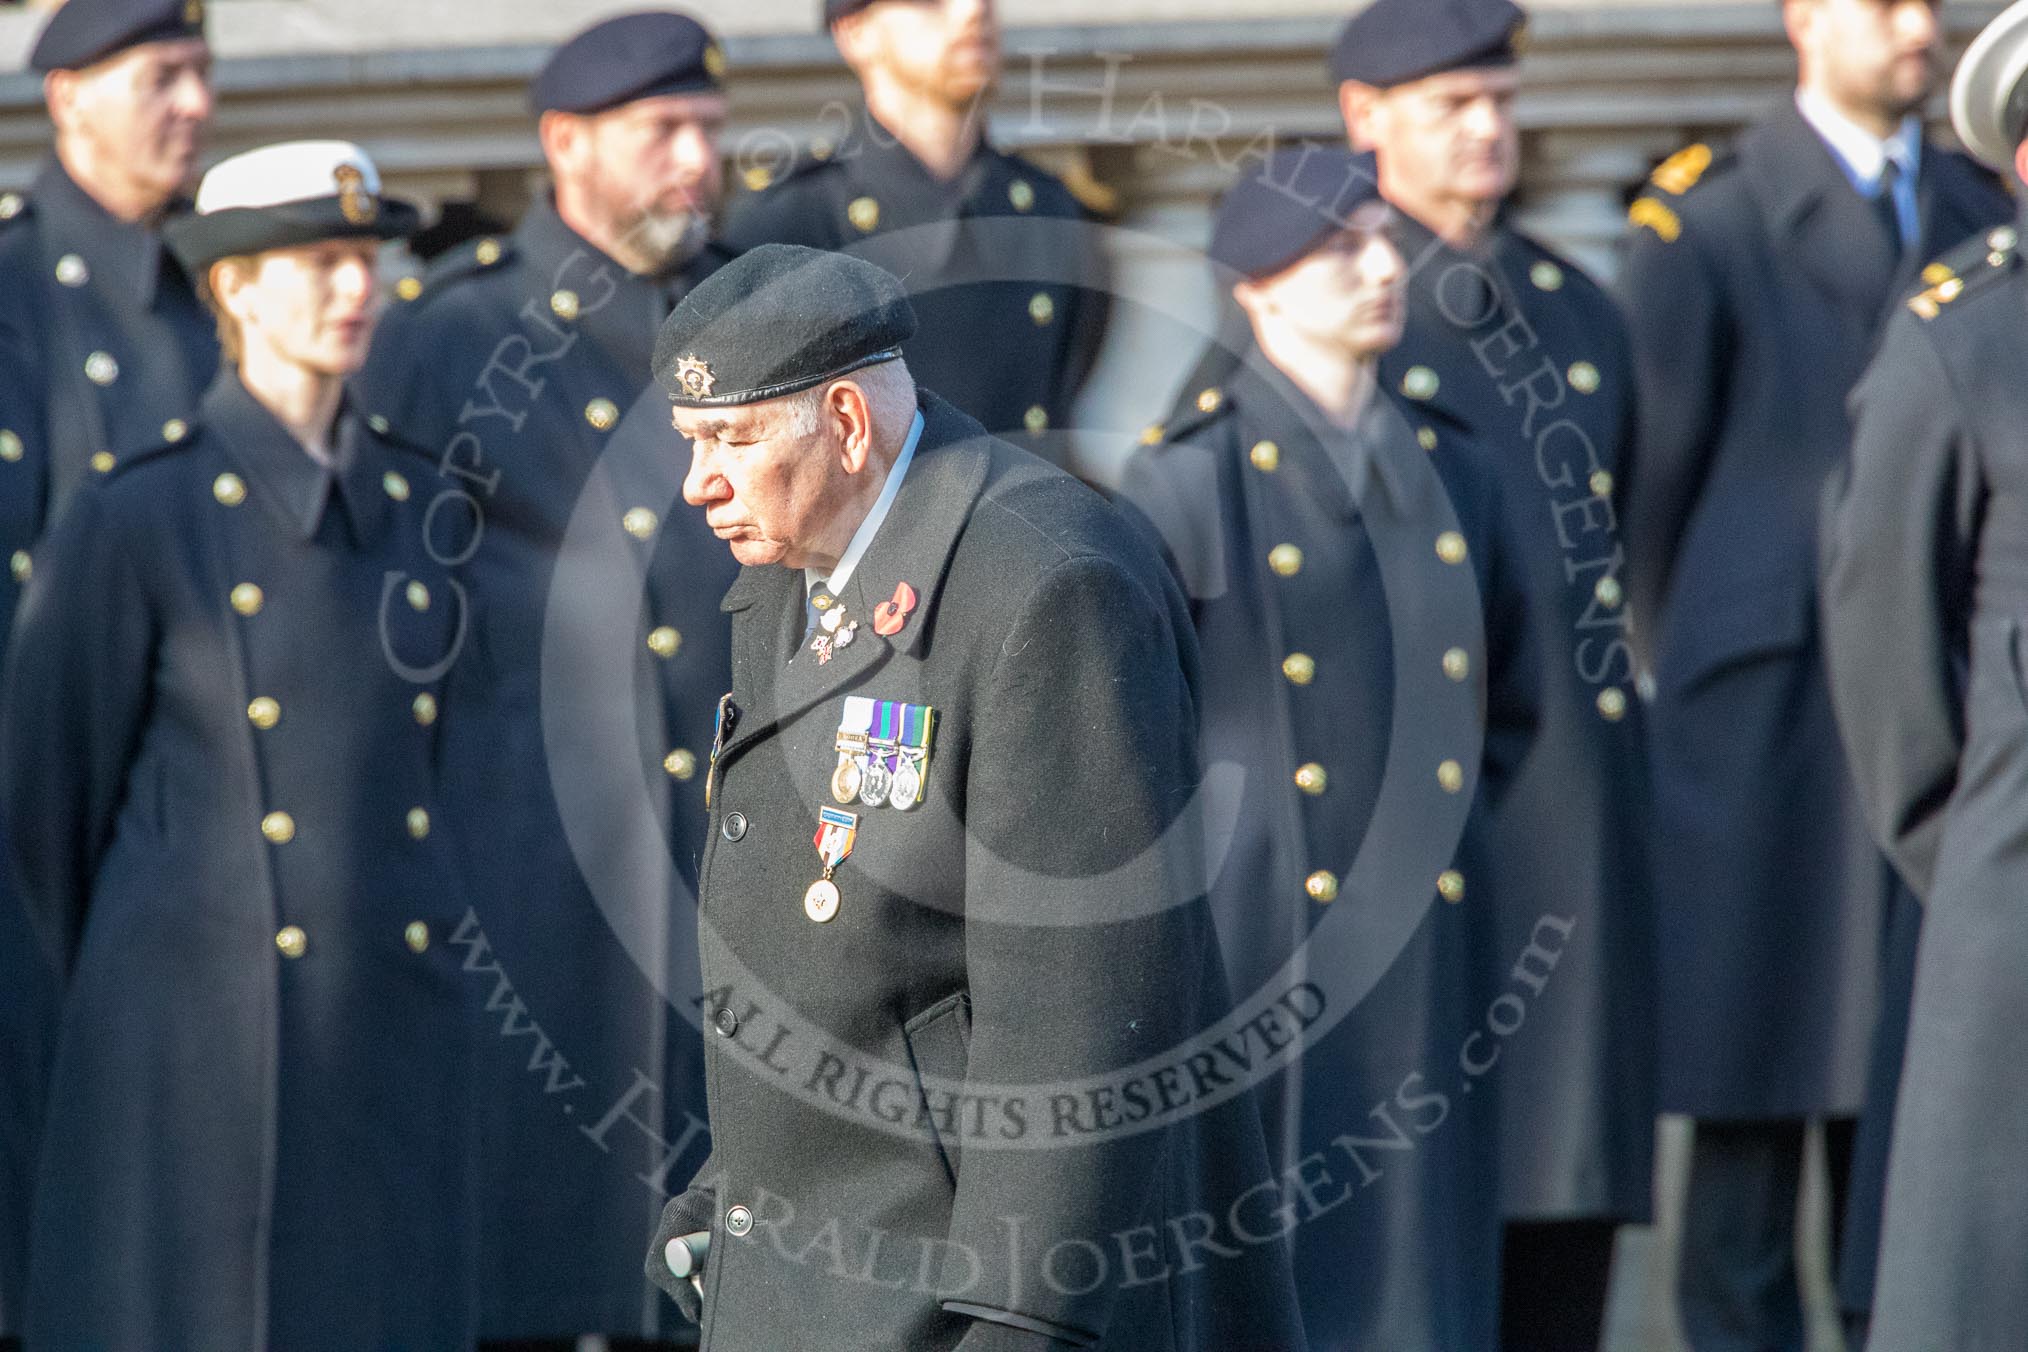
x=284, y=195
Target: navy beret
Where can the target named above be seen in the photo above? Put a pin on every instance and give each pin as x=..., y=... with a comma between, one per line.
x=82, y=32
x=1392, y=42
x=1295, y=199
x=634, y=56
x=835, y=10
x=778, y=319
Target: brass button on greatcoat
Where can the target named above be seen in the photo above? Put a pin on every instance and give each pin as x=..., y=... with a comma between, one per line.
x=602, y=414
x=279, y=828
x=1322, y=887
x=1612, y=705
x=665, y=642
x=22, y=566
x=229, y=489
x=1021, y=194
x=102, y=368
x=1458, y=664
x=1266, y=456
x=1313, y=779
x=1451, y=886
x=419, y=823
x=292, y=942
x=641, y=523
x=564, y=305
x=11, y=449
x=1451, y=548
x=864, y=213
x=104, y=462
x=175, y=430
x=1451, y=776
x=681, y=765
x=424, y=708
x=1300, y=668
x=395, y=486
x=1609, y=592
x=417, y=937
x=264, y=713
x=248, y=599
x=1036, y=420
x=1286, y=560
x=1041, y=308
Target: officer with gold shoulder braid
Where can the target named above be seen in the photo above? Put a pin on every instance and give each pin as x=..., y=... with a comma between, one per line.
x=220, y=780
x=1924, y=558
x=1530, y=354
x=953, y=929
x=1009, y=290
x=108, y=346
x=1344, y=551
x=520, y=361
x=1756, y=284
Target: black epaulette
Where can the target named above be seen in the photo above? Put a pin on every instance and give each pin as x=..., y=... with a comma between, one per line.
x=1972, y=266
x=1195, y=410
x=807, y=160
x=1673, y=180
x=469, y=259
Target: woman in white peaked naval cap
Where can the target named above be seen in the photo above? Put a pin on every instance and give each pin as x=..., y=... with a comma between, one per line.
x=219, y=787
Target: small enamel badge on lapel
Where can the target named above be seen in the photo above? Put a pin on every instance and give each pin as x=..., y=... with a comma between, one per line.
x=838, y=634
x=890, y=616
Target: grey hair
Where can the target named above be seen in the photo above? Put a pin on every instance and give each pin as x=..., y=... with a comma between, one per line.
x=890, y=393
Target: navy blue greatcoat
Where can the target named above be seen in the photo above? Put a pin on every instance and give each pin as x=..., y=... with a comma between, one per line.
x=223, y=799
x=1755, y=288
x=584, y=714
x=1346, y=675
x=102, y=342
x=1531, y=356
x=1007, y=285
x=1925, y=559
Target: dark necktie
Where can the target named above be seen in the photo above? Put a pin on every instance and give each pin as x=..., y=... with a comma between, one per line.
x=1886, y=203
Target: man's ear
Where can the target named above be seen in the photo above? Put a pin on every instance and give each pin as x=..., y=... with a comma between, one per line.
x=850, y=414
x=1358, y=104
x=853, y=36
x=59, y=96
x=562, y=136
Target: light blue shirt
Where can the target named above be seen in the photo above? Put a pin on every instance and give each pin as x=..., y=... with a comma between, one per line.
x=1864, y=156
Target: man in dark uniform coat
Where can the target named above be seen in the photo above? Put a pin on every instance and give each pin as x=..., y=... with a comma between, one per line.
x=1755, y=286
x=105, y=345
x=1321, y=526
x=1008, y=288
x=580, y=745
x=946, y=1103
x=1531, y=356
x=1923, y=557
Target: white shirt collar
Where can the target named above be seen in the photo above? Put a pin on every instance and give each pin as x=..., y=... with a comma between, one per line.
x=870, y=527
x=1862, y=154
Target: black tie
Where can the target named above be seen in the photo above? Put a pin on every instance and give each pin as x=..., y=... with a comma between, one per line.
x=1889, y=208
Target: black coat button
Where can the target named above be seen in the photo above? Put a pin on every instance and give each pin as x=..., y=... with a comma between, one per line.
x=734, y=827
x=727, y=1022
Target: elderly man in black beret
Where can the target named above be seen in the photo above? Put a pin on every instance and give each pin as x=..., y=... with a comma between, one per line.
x=1529, y=353
x=1009, y=294
x=517, y=360
x=956, y=953
x=1334, y=535
x=110, y=345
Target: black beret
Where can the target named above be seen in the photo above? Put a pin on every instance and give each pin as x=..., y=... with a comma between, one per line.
x=279, y=196
x=778, y=319
x=1288, y=204
x=634, y=56
x=835, y=10
x=82, y=32
x=1392, y=42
